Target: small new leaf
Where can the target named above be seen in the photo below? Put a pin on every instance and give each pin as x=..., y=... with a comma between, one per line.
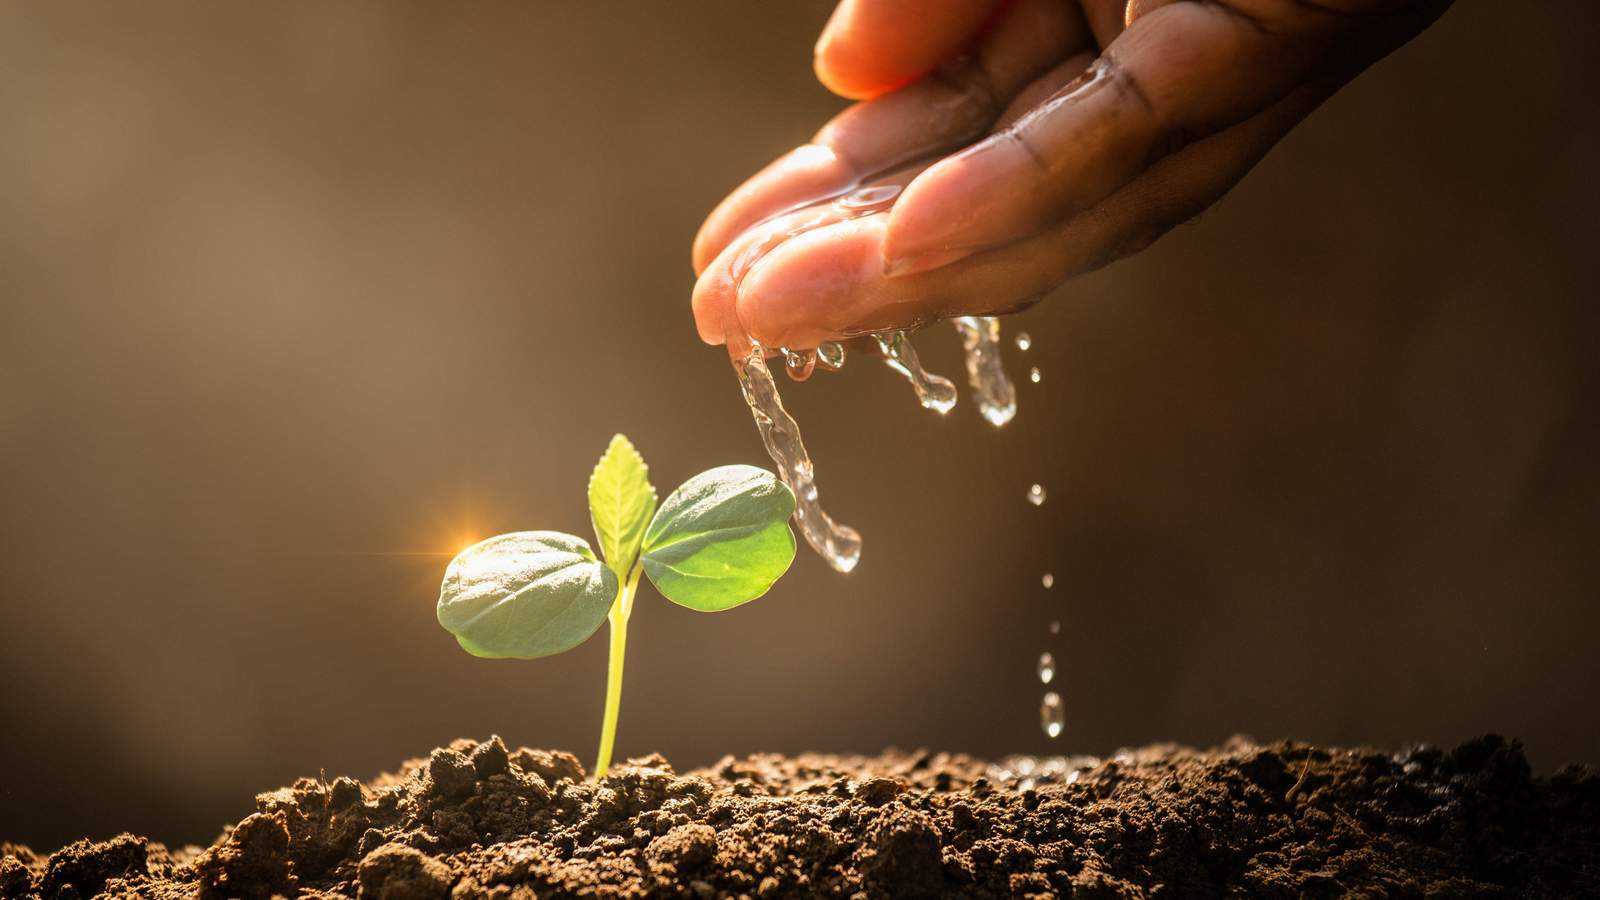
x=721, y=539
x=621, y=501
x=525, y=594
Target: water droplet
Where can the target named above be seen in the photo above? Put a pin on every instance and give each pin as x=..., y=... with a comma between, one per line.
x=1047, y=667
x=1036, y=495
x=991, y=389
x=1049, y=581
x=1051, y=717
x=831, y=355
x=1033, y=374
x=868, y=199
x=1055, y=626
x=799, y=363
x=839, y=544
x=1023, y=341
x=934, y=392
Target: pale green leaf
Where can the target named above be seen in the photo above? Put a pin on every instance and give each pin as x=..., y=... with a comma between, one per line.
x=621, y=501
x=525, y=594
x=721, y=539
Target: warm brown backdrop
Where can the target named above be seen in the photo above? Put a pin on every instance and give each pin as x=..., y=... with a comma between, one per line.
x=286, y=286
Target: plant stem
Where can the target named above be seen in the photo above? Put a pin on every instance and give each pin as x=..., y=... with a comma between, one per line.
x=618, y=618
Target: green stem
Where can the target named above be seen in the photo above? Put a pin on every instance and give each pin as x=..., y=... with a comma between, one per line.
x=618, y=617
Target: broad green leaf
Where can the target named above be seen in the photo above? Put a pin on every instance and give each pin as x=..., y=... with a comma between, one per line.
x=525, y=594
x=721, y=539
x=621, y=501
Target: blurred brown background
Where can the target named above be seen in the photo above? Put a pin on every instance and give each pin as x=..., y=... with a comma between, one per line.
x=294, y=292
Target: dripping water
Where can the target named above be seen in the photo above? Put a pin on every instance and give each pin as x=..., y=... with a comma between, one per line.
x=1051, y=717
x=933, y=391
x=799, y=363
x=991, y=389
x=839, y=544
x=830, y=355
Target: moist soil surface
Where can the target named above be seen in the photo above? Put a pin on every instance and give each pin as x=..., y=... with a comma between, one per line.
x=1281, y=820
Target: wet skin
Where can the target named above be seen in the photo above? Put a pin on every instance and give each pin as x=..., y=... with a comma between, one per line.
x=1033, y=140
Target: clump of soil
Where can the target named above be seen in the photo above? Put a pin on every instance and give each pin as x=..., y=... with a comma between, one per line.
x=474, y=820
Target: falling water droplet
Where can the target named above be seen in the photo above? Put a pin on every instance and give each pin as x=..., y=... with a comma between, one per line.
x=1049, y=581
x=1033, y=374
x=1055, y=626
x=1024, y=341
x=991, y=389
x=839, y=544
x=799, y=363
x=1050, y=714
x=933, y=391
x=831, y=355
x=1047, y=667
x=1036, y=495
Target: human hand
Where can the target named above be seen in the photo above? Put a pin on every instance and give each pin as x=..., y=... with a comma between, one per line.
x=1098, y=126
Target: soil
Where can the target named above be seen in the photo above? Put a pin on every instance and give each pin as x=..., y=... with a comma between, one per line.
x=1282, y=820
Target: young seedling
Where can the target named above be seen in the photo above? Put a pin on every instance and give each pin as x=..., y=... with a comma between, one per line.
x=721, y=539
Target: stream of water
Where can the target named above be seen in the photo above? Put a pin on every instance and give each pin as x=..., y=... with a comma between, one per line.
x=994, y=394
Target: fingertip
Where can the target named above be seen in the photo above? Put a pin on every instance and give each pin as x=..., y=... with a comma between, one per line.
x=810, y=287
x=806, y=172
x=851, y=78
x=708, y=242
x=831, y=57
x=710, y=302
x=870, y=48
x=699, y=258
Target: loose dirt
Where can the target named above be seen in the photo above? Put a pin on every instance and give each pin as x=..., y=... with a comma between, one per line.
x=1282, y=820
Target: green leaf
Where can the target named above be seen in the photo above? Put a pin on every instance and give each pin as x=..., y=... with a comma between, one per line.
x=621, y=501
x=525, y=594
x=721, y=539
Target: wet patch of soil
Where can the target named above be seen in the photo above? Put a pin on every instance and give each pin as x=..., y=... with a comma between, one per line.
x=474, y=820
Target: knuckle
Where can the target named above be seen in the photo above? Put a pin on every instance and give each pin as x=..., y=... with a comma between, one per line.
x=1128, y=85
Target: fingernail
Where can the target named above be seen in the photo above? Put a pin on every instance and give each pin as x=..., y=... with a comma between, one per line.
x=947, y=213
x=917, y=263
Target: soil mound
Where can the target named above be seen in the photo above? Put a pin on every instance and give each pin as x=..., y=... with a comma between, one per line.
x=474, y=820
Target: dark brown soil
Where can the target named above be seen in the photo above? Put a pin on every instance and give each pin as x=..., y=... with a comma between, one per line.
x=1283, y=820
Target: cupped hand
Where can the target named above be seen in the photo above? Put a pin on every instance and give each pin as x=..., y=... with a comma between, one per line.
x=1034, y=139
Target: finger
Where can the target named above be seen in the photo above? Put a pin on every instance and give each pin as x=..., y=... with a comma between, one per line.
x=1045, y=85
x=1183, y=70
x=774, y=299
x=937, y=114
x=1138, y=8
x=1171, y=191
x=865, y=139
x=716, y=291
x=1106, y=18
x=829, y=282
x=871, y=47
